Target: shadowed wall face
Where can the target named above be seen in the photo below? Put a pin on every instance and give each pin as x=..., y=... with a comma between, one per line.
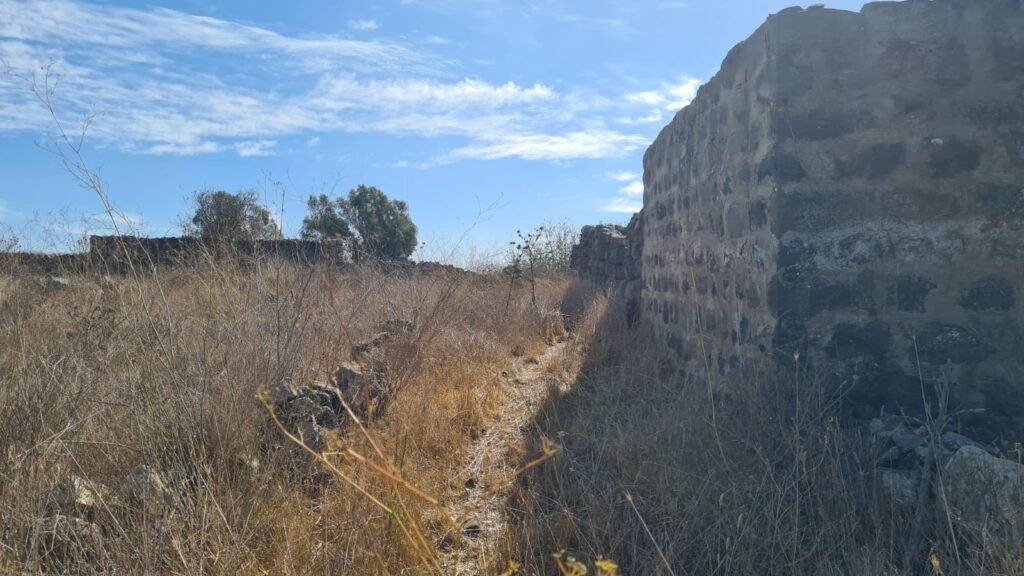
x=850, y=188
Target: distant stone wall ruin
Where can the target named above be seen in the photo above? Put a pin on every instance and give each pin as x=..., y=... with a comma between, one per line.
x=118, y=251
x=849, y=189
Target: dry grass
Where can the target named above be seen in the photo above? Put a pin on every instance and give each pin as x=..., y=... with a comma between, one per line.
x=758, y=478
x=641, y=477
x=101, y=374
x=107, y=373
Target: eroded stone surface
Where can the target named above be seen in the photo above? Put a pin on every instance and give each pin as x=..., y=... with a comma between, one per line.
x=986, y=494
x=849, y=189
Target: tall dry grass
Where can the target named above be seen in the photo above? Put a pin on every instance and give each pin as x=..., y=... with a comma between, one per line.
x=666, y=479
x=100, y=374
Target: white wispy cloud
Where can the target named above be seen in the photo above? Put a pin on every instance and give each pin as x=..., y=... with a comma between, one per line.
x=623, y=206
x=629, y=198
x=255, y=148
x=168, y=82
x=671, y=97
x=652, y=118
x=633, y=189
x=362, y=25
x=67, y=23
x=348, y=92
x=624, y=176
x=583, y=144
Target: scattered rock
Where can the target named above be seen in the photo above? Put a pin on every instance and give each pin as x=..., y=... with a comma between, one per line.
x=370, y=344
x=57, y=282
x=282, y=392
x=387, y=331
x=906, y=442
x=149, y=491
x=397, y=326
x=954, y=442
x=307, y=411
x=67, y=544
x=986, y=495
x=75, y=496
x=362, y=386
x=900, y=486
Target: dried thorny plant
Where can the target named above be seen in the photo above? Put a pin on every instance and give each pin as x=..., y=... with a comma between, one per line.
x=416, y=536
x=523, y=262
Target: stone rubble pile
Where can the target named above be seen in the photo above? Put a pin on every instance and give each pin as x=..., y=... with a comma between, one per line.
x=78, y=516
x=309, y=411
x=982, y=493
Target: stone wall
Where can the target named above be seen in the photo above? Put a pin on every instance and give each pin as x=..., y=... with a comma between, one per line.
x=115, y=252
x=849, y=190
x=609, y=256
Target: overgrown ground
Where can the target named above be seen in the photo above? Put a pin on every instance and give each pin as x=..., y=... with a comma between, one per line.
x=672, y=475
x=102, y=374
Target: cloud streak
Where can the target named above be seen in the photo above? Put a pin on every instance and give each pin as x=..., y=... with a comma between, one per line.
x=667, y=98
x=165, y=82
x=629, y=198
x=363, y=25
x=584, y=144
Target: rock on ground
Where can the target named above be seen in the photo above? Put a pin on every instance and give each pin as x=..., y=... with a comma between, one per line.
x=986, y=495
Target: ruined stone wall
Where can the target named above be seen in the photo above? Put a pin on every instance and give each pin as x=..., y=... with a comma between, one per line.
x=849, y=190
x=610, y=256
x=116, y=252
x=900, y=224
x=708, y=251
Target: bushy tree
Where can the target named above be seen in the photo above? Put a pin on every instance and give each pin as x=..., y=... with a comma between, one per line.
x=381, y=226
x=554, y=246
x=325, y=218
x=222, y=217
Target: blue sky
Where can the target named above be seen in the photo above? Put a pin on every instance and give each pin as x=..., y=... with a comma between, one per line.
x=484, y=115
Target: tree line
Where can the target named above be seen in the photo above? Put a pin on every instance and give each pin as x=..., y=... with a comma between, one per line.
x=376, y=225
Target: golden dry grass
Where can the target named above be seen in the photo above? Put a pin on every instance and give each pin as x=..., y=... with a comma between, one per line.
x=107, y=373
x=101, y=374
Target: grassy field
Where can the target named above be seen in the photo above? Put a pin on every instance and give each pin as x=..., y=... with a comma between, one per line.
x=107, y=382
x=100, y=375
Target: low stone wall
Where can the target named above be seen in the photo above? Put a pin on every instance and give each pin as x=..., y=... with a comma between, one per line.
x=116, y=252
x=609, y=256
x=849, y=190
x=119, y=253
x=50, y=264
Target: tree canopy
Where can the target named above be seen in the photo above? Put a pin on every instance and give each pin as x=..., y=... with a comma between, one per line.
x=381, y=226
x=224, y=217
x=325, y=218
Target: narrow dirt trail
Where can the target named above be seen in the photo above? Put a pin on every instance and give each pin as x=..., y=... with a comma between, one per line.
x=493, y=458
